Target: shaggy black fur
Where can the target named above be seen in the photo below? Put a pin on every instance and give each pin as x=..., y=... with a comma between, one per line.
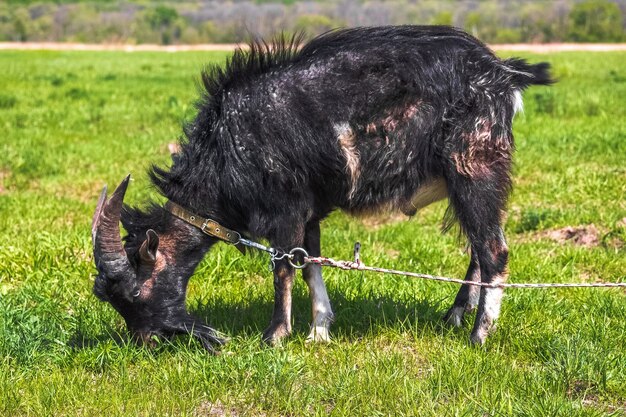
x=357, y=119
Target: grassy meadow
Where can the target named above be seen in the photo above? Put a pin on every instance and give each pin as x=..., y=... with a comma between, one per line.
x=73, y=121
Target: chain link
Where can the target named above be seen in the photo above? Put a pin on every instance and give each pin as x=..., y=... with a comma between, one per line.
x=276, y=255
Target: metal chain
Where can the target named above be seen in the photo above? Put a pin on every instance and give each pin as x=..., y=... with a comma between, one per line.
x=275, y=254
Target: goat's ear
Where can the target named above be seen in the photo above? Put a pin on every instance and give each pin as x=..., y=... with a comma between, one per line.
x=148, y=249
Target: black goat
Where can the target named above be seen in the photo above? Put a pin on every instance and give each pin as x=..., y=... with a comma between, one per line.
x=363, y=119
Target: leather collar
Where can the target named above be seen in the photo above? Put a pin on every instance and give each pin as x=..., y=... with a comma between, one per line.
x=208, y=226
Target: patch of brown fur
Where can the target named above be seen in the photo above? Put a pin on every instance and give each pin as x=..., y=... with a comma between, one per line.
x=164, y=257
x=169, y=242
x=347, y=141
x=480, y=151
x=281, y=316
x=399, y=116
x=393, y=118
x=153, y=271
x=347, y=137
x=497, y=247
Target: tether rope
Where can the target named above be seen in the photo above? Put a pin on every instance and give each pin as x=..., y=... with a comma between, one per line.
x=359, y=266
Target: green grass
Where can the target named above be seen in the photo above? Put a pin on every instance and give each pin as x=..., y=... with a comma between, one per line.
x=72, y=121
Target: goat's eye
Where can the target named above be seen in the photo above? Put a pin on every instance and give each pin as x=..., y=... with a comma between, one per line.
x=137, y=292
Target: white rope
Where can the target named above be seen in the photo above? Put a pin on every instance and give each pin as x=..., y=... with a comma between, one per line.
x=359, y=266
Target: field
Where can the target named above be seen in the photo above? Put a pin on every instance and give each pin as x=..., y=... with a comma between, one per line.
x=73, y=121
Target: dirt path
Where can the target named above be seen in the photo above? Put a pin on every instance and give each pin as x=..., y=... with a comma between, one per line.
x=55, y=46
x=61, y=46
x=545, y=48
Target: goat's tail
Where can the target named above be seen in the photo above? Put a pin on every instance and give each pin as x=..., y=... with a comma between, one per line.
x=524, y=75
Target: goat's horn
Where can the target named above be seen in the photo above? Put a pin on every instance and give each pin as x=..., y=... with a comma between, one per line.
x=97, y=214
x=106, y=221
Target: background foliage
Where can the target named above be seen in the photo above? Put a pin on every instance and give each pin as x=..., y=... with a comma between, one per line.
x=190, y=22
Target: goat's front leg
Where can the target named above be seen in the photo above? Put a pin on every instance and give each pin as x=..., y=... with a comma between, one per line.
x=280, y=326
x=312, y=274
x=285, y=238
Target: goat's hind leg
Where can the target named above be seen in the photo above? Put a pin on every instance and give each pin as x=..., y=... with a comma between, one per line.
x=495, y=254
x=479, y=205
x=467, y=298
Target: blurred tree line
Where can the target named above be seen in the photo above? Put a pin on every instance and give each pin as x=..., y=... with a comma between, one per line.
x=190, y=22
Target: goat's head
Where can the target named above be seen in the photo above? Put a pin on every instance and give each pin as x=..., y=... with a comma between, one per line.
x=145, y=278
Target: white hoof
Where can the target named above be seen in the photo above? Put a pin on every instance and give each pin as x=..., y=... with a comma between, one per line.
x=318, y=334
x=478, y=338
x=455, y=316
